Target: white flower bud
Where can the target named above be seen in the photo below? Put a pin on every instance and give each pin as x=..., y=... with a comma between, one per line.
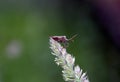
x=77, y=69
x=70, y=60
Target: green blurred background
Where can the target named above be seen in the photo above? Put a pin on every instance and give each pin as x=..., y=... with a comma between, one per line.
x=25, y=27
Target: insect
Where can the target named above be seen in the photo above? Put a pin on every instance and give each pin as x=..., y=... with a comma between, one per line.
x=63, y=40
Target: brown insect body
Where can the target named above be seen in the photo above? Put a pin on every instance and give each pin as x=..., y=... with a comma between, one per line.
x=63, y=39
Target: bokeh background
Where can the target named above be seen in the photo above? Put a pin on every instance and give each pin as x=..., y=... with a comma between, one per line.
x=25, y=27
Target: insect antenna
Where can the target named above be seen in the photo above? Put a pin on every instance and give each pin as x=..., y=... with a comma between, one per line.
x=71, y=39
